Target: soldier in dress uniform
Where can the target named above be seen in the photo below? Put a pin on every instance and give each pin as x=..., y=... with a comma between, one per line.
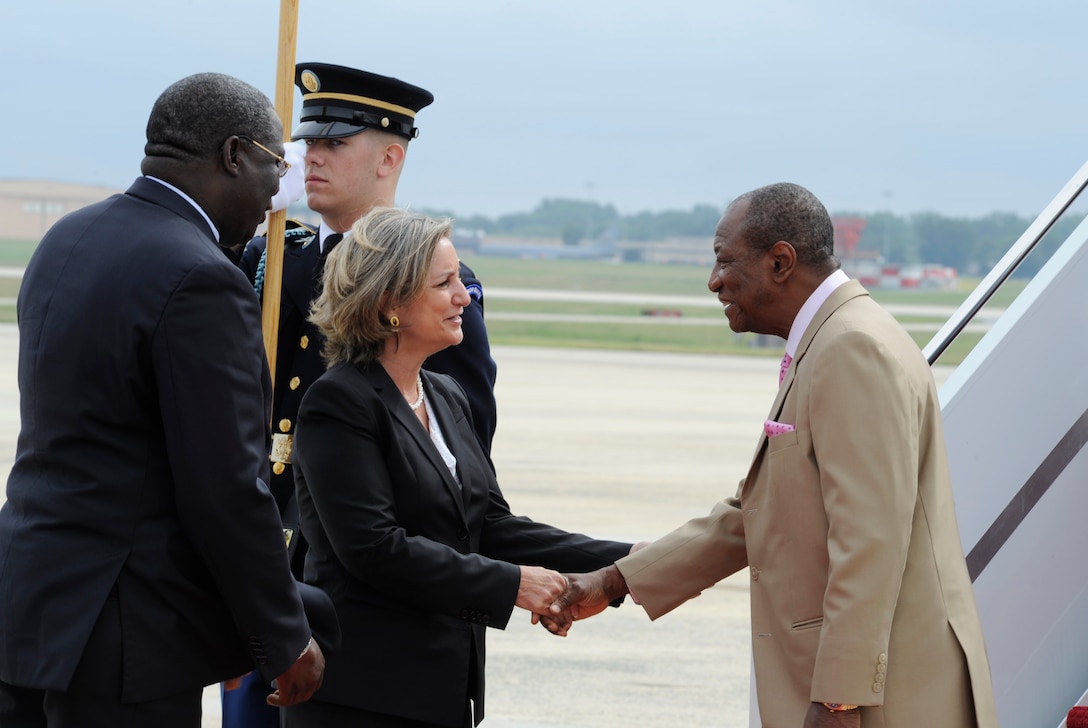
x=356, y=126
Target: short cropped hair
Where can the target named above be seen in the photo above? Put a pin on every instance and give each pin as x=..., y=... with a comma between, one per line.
x=194, y=116
x=382, y=263
x=786, y=211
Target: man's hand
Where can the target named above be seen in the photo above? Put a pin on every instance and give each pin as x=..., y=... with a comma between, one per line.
x=586, y=595
x=819, y=716
x=301, y=680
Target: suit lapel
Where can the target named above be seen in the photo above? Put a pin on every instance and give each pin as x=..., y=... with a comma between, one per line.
x=842, y=294
x=447, y=422
x=404, y=416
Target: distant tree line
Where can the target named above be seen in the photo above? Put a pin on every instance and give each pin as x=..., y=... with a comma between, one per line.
x=970, y=245
x=577, y=220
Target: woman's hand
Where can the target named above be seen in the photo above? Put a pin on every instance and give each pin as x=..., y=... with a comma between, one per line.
x=539, y=587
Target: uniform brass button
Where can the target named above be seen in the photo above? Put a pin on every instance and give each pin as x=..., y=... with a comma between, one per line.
x=285, y=425
x=304, y=341
x=295, y=381
x=278, y=468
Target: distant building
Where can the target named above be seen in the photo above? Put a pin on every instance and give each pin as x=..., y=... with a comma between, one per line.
x=872, y=270
x=544, y=248
x=673, y=251
x=29, y=208
x=929, y=276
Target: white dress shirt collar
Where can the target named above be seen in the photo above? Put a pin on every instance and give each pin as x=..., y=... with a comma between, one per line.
x=812, y=305
x=191, y=201
x=324, y=233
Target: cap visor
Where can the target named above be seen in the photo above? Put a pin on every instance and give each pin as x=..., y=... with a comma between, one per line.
x=326, y=130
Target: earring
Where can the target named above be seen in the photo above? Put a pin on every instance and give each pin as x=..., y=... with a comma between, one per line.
x=394, y=322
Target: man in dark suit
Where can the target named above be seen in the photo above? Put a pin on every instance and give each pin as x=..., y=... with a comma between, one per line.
x=141, y=556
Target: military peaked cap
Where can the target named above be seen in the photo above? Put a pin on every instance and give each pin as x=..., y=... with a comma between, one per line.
x=338, y=101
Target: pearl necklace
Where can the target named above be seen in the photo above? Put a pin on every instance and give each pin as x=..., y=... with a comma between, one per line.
x=419, y=388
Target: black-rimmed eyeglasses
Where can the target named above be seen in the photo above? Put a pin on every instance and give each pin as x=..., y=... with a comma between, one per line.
x=282, y=165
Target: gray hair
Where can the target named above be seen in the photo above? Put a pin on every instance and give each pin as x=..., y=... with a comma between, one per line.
x=194, y=116
x=786, y=211
x=382, y=263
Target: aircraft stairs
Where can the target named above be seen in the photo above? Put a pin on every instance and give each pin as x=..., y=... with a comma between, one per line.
x=1016, y=422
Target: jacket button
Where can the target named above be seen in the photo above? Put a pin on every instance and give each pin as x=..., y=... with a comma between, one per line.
x=285, y=425
x=755, y=574
x=294, y=383
x=278, y=468
x=304, y=342
x=462, y=535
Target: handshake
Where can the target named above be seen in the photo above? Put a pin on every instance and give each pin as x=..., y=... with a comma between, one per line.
x=558, y=600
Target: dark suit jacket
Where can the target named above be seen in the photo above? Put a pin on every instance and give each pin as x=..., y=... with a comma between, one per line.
x=417, y=564
x=143, y=400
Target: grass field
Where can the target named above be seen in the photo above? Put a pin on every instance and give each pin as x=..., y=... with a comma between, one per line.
x=697, y=329
x=16, y=252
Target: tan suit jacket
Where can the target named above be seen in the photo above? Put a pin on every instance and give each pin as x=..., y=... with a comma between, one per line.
x=860, y=593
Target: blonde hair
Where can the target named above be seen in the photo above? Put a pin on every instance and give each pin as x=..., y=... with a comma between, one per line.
x=382, y=263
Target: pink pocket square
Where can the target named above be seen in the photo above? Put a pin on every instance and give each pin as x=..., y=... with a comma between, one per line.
x=773, y=428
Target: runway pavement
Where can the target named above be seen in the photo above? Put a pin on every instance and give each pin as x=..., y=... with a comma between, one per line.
x=618, y=445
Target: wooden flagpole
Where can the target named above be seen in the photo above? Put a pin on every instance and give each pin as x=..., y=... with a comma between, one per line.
x=277, y=221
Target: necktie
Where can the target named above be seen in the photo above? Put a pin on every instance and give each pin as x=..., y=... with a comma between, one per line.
x=330, y=243
x=319, y=266
x=786, y=359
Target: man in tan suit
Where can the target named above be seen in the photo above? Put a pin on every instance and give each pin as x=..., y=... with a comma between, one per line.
x=863, y=613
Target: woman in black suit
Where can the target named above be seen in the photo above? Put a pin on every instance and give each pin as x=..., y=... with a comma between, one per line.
x=408, y=530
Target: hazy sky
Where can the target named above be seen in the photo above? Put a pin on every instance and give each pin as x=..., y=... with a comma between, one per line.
x=962, y=108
